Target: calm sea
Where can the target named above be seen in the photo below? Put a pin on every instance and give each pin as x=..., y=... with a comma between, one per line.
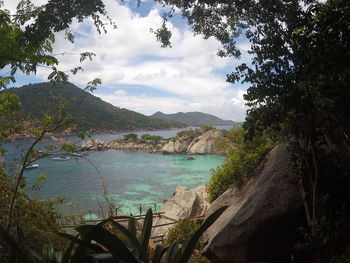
x=131, y=178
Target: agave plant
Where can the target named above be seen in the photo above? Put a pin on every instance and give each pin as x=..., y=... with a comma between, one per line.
x=96, y=239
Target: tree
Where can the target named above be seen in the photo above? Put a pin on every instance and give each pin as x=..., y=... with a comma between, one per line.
x=148, y=138
x=27, y=36
x=299, y=78
x=26, y=44
x=131, y=137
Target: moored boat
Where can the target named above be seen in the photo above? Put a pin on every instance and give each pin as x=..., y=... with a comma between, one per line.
x=61, y=158
x=80, y=154
x=32, y=166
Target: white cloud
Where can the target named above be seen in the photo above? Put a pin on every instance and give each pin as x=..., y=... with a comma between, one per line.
x=131, y=55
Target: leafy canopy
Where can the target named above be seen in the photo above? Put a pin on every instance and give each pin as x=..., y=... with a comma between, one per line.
x=28, y=35
x=299, y=87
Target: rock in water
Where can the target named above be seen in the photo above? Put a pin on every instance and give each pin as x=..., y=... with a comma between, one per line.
x=178, y=145
x=206, y=143
x=93, y=144
x=260, y=225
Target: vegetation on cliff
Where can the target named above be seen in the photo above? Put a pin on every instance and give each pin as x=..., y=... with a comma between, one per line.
x=240, y=163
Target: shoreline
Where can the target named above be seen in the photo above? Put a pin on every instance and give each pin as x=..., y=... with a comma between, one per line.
x=198, y=142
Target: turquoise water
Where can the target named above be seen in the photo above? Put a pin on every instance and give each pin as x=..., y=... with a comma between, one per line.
x=132, y=178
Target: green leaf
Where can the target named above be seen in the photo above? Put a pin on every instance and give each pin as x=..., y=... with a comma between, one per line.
x=83, y=242
x=14, y=246
x=146, y=230
x=68, y=253
x=112, y=218
x=132, y=226
x=172, y=253
x=158, y=253
x=133, y=240
x=52, y=74
x=194, y=239
x=109, y=241
x=131, y=235
x=82, y=248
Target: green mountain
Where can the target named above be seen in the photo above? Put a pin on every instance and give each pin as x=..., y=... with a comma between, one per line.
x=91, y=112
x=195, y=118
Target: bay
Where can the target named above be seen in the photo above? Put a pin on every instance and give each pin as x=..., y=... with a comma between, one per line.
x=132, y=179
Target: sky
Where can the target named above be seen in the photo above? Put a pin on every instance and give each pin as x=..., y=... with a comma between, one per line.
x=140, y=75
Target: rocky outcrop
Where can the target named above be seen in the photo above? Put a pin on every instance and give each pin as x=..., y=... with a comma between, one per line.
x=261, y=221
x=177, y=145
x=93, y=145
x=99, y=145
x=205, y=143
x=184, y=204
x=134, y=146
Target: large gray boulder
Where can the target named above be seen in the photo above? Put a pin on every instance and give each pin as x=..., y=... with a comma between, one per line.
x=178, y=145
x=260, y=224
x=206, y=143
x=183, y=204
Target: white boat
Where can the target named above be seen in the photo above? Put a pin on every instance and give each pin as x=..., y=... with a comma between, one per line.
x=59, y=158
x=32, y=166
x=80, y=154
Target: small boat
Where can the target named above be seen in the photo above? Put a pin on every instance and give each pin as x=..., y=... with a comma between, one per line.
x=80, y=154
x=61, y=158
x=32, y=166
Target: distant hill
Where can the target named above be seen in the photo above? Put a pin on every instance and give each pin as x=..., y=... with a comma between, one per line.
x=194, y=118
x=92, y=113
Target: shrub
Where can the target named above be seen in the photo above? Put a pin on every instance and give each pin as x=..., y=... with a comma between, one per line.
x=148, y=138
x=204, y=128
x=240, y=162
x=131, y=137
x=190, y=133
x=35, y=220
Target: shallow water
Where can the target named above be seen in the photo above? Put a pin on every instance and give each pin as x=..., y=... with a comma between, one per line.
x=132, y=178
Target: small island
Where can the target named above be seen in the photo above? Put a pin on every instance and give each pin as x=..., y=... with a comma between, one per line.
x=204, y=140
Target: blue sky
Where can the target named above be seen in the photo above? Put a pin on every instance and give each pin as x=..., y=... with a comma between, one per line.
x=139, y=75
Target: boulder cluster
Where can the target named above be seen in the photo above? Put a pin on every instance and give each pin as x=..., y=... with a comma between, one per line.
x=204, y=143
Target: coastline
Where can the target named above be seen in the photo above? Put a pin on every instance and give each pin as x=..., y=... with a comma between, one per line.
x=201, y=142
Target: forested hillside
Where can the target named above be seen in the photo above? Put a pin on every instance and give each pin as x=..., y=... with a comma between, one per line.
x=194, y=118
x=91, y=112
